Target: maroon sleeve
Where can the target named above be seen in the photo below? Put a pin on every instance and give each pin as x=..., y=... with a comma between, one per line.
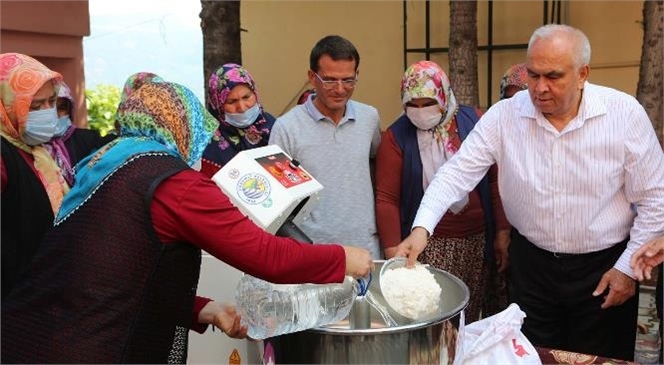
x=199, y=303
x=189, y=207
x=389, y=161
x=497, y=204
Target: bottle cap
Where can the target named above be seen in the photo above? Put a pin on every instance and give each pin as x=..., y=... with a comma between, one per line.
x=364, y=285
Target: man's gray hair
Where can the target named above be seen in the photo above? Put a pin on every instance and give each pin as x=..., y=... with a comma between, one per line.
x=581, y=54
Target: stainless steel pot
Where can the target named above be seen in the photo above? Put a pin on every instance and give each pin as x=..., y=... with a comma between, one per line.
x=356, y=340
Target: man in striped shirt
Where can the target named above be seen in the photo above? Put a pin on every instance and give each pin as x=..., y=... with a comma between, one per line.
x=581, y=175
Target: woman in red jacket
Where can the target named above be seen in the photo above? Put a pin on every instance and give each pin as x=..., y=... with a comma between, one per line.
x=115, y=280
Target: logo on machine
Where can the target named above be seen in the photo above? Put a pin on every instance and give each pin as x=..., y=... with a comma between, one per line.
x=253, y=188
x=234, y=174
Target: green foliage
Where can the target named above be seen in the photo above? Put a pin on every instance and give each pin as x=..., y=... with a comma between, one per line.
x=102, y=105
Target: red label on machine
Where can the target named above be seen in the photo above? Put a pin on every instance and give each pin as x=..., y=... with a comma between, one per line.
x=281, y=167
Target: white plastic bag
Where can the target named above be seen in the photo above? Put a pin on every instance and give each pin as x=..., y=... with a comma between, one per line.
x=496, y=340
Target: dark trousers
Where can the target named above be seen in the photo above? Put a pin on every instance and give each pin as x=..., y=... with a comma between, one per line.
x=555, y=292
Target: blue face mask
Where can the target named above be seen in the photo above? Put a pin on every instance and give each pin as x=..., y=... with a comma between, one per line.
x=40, y=126
x=62, y=126
x=244, y=119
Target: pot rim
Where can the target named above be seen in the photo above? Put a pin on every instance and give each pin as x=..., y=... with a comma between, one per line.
x=408, y=327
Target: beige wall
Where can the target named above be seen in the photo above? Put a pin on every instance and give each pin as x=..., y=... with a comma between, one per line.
x=616, y=36
x=51, y=32
x=280, y=35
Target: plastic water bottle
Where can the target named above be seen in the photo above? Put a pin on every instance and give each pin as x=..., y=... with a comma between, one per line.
x=270, y=310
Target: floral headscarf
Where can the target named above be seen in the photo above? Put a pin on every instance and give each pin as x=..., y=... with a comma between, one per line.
x=21, y=77
x=158, y=118
x=516, y=75
x=425, y=79
x=169, y=114
x=56, y=146
x=65, y=93
x=135, y=81
x=229, y=140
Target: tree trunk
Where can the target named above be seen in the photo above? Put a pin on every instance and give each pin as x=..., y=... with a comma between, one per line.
x=649, y=91
x=463, y=51
x=220, y=24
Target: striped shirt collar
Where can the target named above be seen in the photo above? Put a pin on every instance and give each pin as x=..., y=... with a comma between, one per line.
x=592, y=105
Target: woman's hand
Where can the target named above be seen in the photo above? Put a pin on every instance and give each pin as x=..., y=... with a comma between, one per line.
x=358, y=261
x=224, y=317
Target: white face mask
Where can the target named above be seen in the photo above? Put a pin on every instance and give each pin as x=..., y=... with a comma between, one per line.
x=40, y=126
x=425, y=118
x=244, y=119
x=62, y=126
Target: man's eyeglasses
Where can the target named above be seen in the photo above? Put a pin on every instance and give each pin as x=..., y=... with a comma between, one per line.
x=331, y=84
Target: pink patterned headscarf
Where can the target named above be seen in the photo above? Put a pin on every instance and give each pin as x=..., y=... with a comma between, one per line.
x=228, y=139
x=222, y=81
x=516, y=75
x=425, y=79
